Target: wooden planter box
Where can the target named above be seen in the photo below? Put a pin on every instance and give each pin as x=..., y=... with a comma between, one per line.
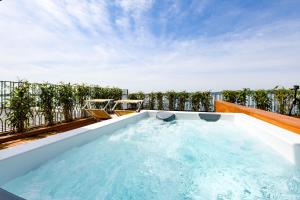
x=283, y=121
x=55, y=128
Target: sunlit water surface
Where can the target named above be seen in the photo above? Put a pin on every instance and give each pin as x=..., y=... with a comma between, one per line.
x=185, y=159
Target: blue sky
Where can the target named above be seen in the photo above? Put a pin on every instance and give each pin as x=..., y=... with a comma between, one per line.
x=152, y=45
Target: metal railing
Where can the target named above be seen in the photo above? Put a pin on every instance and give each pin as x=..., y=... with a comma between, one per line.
x=188, y=102
x=214, y=96
x=6, y=88
x=37, y=119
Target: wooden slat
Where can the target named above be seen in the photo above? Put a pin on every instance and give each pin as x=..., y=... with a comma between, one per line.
x=99, y=114
x=128, y=101
x=283, y=121
x=123, y=112
x=55, y=128
x=99, y=100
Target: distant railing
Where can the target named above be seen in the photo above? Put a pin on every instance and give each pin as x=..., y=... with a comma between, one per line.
x=250, y=102
x=214, y=96
x=7, y=87
x=188, y=102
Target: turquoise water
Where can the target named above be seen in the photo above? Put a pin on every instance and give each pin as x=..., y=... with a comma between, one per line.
x=186, y=159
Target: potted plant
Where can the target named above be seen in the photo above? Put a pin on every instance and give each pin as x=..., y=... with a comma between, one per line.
x=47, y=102
x=151, y=100
x=195, y=98
x=20, y=105
x=206, y=101
x=159, y=100
x=262, y=99
x=283, y=98
x=171, y=99
x=230, y=96
x=241, y=97
x=66, y=100
x=82, y=94
x=182, y=98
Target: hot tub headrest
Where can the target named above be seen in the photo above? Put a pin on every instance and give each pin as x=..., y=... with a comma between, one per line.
x=210, y=117
x=165, y=116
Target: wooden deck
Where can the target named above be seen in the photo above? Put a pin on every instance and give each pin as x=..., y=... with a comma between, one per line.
x=42, y=132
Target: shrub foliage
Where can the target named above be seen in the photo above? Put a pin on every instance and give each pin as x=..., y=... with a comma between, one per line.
x=47, y=102
x=196, y=98
x=159, y=100
x=20, y=105
x=66, y=98
x=282, y=97
x=182, y=98
x=262, y=100
x=206, y=101
x=230, y=96
x=151, y=101
x=23, y=98
x=171, y=95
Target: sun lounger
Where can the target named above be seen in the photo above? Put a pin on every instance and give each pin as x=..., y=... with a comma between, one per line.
x=127, y=101
x=101, y=113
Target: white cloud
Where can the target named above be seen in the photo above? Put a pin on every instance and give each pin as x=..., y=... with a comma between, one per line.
x=52, y=11
x=135, y=5
x=123, y=23
x=91, y=15
x=76, y=41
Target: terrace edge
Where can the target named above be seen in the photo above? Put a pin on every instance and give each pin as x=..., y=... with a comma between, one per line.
x=286, y=122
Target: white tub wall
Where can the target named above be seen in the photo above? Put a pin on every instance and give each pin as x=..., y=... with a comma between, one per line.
x=18, y=160
x=296, y=150
x=284, y=142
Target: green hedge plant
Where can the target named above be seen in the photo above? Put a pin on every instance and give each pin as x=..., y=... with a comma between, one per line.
x=171, y=95
x=297, y=111
x=133, y=96
x=82, y=94
x=261, y=99
x=151, y=100
x=159, y=100
x=206, y=101
x=136, y=96
x=230, y=96
x=106, y=93
x=283, y=98
x=196, y=98
x=20, y=105
x=96, y=92
x=242, y=95
x=112, y=93
x=47, y=102
x=140, y=95
x=182, y=98
x=66, y=99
